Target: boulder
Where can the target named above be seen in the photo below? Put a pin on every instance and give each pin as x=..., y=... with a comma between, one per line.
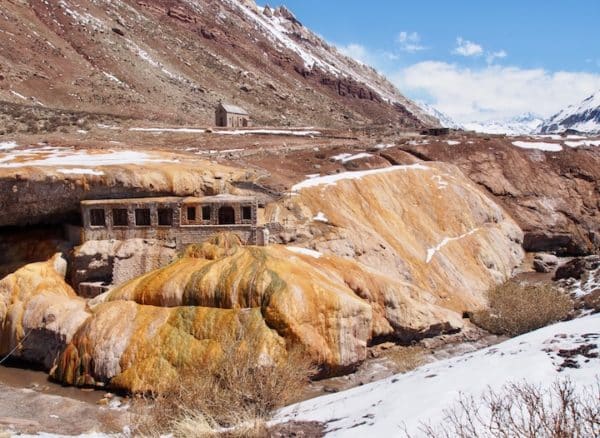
x=592, y=300
x=577, y=267
x=137, y=348
x=545, y=263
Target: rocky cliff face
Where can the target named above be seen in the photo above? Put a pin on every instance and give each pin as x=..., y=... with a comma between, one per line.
x=554, y=196
x=45, y=184
x=174, y=60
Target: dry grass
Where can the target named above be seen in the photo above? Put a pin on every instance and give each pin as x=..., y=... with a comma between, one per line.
x=516, y=308
x=524, y=411
x=234, y=398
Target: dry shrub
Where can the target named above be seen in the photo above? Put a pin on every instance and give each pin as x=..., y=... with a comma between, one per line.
x=234, y=397
x=406, y=359
x=516, y=308
x=524, y=411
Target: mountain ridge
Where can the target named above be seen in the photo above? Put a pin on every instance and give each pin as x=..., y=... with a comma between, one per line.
x=583, y=117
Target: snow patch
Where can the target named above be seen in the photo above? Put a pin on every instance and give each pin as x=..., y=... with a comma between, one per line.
x=59, y=156
x=330, y=180
x=320, y=217
x=384, y=146
x=432, y=251
x=112, y=77
x=384, y=408
x=542, y=146
x=79, y=171
x=344, y=158
x=576, y=144
x=453, y=142
x=19, y=95
x=268, y=132
x=6, y=145
x=305, y=251
x=441, y=182
x=161, y=130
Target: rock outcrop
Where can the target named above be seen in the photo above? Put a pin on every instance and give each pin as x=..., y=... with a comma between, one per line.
x=46, y=184
x=554, y=197
x=114, y=262
x=39, y=312
x=331, y=306
x=145, y=348
x=425, y=224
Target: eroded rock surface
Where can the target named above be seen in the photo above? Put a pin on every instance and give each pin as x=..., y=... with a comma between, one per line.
x=117, y=261
x=331, y=306
x=39, y=312
x=425, y=224
x=553, y=196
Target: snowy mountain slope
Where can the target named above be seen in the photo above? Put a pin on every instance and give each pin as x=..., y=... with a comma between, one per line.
x=583, y=117
x=174, y=60
x=524, y=124
x=408, y=400
x=445, y=120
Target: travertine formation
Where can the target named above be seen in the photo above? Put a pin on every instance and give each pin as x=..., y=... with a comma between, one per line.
x=39, y=312
x=396, y=253
x=425, y=224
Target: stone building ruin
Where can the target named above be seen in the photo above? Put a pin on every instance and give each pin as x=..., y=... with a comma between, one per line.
x=179, y=220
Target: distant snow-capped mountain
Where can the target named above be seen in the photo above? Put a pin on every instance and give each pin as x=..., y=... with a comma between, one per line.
x=445, y=120
x=523, y=124
x=583, y=117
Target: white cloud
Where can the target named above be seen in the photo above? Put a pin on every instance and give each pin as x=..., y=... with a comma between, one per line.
x=493, y=92
x=467, y=48
x=492, y=56
x=355, y=51
x=366, y=56
x=409, y=42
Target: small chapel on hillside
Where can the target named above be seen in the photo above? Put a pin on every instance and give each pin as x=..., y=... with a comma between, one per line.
x=231, y=116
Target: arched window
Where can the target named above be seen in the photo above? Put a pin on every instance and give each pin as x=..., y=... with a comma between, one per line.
x=226, y=215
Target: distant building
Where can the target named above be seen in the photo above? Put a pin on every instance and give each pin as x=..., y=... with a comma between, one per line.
x=436, y=131
x=231, y=116
x=181, y=220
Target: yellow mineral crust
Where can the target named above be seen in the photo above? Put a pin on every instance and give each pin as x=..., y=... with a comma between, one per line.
x=425, y=224
x=39, y=312
x=144, y=348
x=333, y=307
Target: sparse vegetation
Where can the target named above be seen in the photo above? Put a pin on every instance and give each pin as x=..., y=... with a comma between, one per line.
x=516, y=308
x=235, y=397
x=524, y=410
x=33, y=119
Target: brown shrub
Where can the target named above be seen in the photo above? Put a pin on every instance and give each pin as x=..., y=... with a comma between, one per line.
x=234, y=397
x=516, y=308
x=524, y=410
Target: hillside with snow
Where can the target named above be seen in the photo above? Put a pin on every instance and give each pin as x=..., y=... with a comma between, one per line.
x=445, y=120
x=387, y=407
x=174, y=61
x=583, y=117
x=523, y=124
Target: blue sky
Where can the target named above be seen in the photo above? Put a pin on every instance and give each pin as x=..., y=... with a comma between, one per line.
x=475, y=60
